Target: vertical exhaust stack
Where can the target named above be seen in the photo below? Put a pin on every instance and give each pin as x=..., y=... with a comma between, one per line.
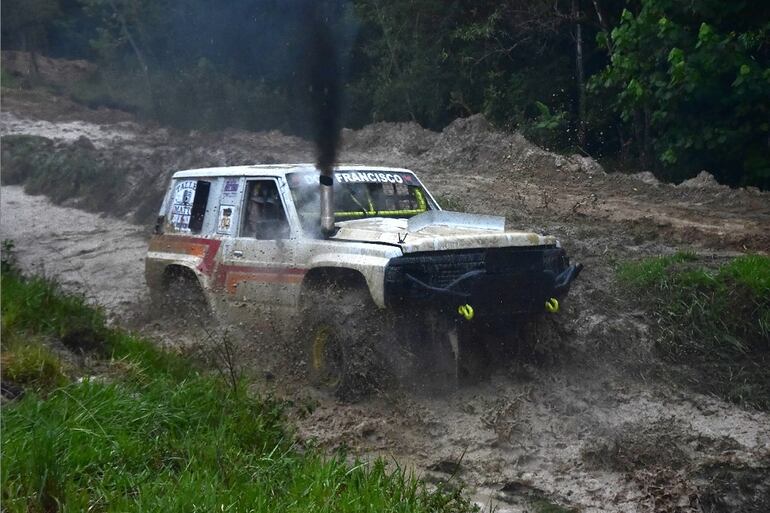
x=327, y=202
x=325, y=91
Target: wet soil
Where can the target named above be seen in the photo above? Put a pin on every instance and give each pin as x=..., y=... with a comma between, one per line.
x=94, y=255
x=601, y=425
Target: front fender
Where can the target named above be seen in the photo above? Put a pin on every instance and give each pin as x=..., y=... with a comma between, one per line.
x=372, y=268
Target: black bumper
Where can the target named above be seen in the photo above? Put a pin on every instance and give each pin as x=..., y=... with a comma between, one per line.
x=495, y=281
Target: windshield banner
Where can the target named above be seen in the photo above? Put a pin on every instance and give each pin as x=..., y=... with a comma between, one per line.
x=366, y=176
x=358, y=177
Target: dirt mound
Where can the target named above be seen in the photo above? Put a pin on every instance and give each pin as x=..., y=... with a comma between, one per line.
x=398, y=139
x=469, y=165
x=52, y=71
x=646, y=177
x=704, y=180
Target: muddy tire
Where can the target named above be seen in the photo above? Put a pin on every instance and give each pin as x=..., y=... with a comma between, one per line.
x=341, y=335
x=182, y=299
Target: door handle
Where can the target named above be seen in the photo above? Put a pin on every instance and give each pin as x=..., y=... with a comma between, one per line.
x=238, y=254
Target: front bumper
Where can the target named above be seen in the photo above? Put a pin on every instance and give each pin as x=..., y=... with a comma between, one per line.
x=497, y=282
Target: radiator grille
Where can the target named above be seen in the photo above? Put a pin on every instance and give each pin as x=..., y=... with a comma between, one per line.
x=441, y=268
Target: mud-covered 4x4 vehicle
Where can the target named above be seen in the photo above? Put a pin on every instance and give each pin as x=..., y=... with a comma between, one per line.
x=398, y=287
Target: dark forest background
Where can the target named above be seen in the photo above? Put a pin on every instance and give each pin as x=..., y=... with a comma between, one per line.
x=672, y=86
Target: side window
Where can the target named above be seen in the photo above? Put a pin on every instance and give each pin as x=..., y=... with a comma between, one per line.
x=198, y=211
x=265, y=217
x=188, y=205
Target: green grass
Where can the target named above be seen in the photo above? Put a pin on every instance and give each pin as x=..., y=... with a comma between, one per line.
x=155, y=433
x=25, y=299
x=187, y=446
x=715, y=318
x=651, y=272
x=31, y=364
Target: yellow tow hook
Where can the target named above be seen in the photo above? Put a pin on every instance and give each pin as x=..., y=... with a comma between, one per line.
x=552, y=305
x=466, y=311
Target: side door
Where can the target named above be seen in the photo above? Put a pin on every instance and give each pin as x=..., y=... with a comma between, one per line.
x=258, y=266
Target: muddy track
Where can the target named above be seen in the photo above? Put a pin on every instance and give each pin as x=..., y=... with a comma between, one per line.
x=602, y=426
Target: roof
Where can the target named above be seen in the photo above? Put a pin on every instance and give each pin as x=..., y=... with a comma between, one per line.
x=273, y=170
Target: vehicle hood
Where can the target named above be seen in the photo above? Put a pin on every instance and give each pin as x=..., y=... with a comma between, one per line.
x=438, y=230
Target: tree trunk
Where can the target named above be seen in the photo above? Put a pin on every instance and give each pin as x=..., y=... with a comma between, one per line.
x=604, y=25
x=580, y=74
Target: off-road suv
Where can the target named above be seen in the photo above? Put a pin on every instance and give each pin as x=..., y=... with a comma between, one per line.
x=396, y=286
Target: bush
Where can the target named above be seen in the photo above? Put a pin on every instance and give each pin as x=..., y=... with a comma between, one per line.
x=37, y=305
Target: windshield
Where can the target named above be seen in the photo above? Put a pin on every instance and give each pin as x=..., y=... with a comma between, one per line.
x=360, y=194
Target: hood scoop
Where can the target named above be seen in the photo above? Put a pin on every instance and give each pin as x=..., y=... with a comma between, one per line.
x=455, y=219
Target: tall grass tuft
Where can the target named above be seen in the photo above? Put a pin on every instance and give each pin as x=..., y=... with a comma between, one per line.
x=716, y=319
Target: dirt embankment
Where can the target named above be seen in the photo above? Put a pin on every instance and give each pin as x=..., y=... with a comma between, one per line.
x=600, y=427
x=469, y=164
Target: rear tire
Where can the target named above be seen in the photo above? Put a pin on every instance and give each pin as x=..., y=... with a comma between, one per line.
x=183, y=299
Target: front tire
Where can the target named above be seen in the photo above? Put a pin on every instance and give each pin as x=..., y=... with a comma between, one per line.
x=340, y=330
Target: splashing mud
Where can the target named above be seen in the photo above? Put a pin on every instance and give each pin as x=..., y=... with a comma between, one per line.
x=596, y=425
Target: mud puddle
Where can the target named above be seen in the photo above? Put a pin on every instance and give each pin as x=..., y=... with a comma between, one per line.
x=100, y=135
x=100, y=257
x=518, y=440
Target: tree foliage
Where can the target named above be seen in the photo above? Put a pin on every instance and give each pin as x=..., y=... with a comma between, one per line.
x=674, y=87
x=692, y=82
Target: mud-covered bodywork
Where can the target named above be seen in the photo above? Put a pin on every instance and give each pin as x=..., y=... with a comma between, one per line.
x=452, y=258
x=249, y=234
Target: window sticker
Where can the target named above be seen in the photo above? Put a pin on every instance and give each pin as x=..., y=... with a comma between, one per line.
x=225, y=218
x=230, y=190
x=181, y=207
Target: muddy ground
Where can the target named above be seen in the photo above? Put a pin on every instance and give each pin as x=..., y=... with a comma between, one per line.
x=602, y=425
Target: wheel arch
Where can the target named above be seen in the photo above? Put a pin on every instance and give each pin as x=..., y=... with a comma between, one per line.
x=172, y=271
x=189, y=274
x=322, y=277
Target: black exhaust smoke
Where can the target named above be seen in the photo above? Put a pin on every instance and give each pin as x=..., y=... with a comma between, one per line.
x=324, y=90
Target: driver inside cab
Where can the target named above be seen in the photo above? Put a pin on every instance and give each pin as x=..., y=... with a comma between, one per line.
x=265, y=217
